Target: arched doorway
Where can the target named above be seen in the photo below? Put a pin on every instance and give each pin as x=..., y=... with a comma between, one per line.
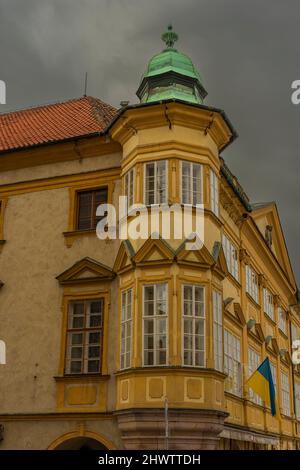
x=81, y=443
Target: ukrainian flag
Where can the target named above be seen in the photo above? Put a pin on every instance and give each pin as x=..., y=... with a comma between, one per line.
x=261, y=382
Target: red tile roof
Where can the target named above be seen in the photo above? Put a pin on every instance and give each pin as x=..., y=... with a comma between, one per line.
x=54, y=122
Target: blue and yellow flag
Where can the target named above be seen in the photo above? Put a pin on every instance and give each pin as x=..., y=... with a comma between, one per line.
x=261, y=382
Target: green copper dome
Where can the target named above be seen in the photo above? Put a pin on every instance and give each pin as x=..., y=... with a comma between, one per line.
x=171, y=75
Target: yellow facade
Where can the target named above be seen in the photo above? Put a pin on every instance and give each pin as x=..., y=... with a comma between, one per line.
x=46, y=264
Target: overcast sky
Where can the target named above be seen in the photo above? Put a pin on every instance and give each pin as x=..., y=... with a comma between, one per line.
x=246, y=50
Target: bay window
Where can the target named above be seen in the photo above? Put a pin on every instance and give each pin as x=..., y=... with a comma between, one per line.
x=214, y=193
x=193, y=325
x=156, y=187
x=126, y=329
x=155, y=328
x=191, y=183
x=218, y=330
x=129, y=187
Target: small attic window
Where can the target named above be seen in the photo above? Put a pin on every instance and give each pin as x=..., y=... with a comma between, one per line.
x=268, y=235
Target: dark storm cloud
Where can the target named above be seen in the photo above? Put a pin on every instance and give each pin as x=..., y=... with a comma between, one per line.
x=246, y=50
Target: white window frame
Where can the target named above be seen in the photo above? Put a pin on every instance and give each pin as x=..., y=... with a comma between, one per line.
x=85, y=329
x=193, y=318
x=218, y=330
x=253, y=363
x=274, y=377
x=129, y=187
x=214, y=192
x=268, y=303
x=232, y=256
x=294, y=333
x=285, y=393
x=232, y=363
x=155, y=163
x=126, y=328
x=192, y=200
x=156, y=318
x=252, y=282
x=282, y=320
x=297, y=400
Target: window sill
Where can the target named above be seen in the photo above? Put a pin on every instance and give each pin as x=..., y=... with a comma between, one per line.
x=234, y=396
x=234, y=280
x=283, y=334
x=270, y=319
x=252, y=300
x=81, y=378
x=71, y=236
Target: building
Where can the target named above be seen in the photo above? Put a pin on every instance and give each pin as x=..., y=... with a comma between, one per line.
x=103, y=336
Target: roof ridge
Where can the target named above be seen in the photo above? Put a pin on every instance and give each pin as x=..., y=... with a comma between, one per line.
x=55, y=103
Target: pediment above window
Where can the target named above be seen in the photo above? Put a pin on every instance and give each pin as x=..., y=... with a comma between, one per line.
x=256, y=332
x=199, y=257
x=272, y=345
x=154, y=251
x=85, y=271
x=234, y=312
x=125, y=257
x=220, y=266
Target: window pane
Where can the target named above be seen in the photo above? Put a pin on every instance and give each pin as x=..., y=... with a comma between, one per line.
x=149, y=342
x=148, y=358
x=149, y=324
x=93, y=366
x=77, y=338
x=76, y=353
x=75, y=367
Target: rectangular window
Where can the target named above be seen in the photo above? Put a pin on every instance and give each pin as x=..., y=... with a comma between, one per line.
x=87, y=203
x=252, y=283
x=155, y=317
x=285, y=394
x=253, y=363
x=191, y=183
x=218, y=330
x=297, y=400
x=274, y=377
x=84, y=337
x=232, y=363
x=214, y=193
x=294, y=333
x=126, y=329
x=268, y=303
x=231, y=255
x=156, y=188
x=282, y=320
x=129, y=187
x=193, y=326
